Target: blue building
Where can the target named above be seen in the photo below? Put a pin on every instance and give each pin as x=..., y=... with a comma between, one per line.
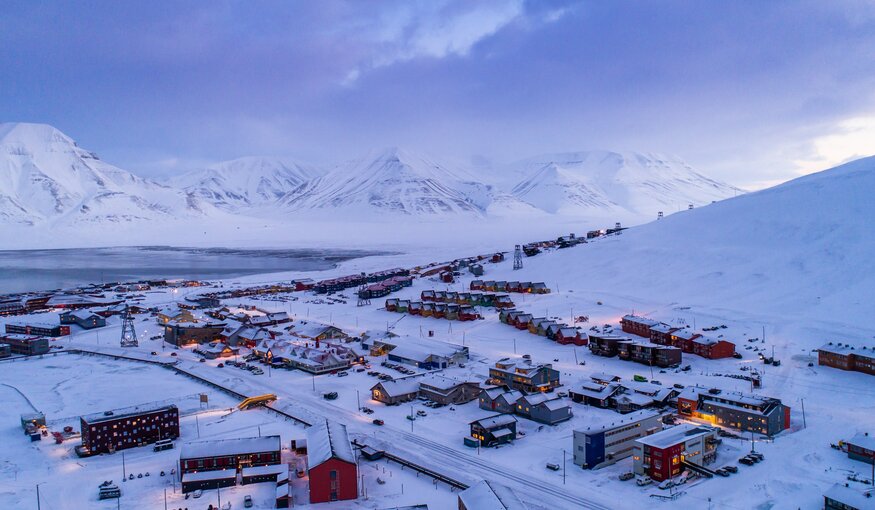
x=613, y=440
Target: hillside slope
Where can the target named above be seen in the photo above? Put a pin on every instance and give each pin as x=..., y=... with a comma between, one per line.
x=802, y=248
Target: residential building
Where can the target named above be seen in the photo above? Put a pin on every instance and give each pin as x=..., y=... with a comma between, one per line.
x=607, y=344
x=395, y=392
x=5, y=350
x=524, y=375
x=637, y=325
x=499, y=399
x=667, y=453
x=233, y=454
x=845, y=356
x=27, y=345
x=38, y=329
x=495, y=430
x=128, y=428
x=737, y=410
x=445, y=390
x=613, y=440
x=331, y=463
x=83, y=318
x=650, y=354
x=541, y=408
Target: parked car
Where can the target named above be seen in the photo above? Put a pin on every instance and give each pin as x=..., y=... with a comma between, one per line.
x=154, y=353
x=173, y=354
x=553, y=467
x=722, y=471
x=221, y=365
x=666, y=484
x=746, y=461
x=202, y=360
x=247, y=501
x=628, y=475
x=378, y=422
x=421, y=413
x=643, y=480
x=757, y=456
x=731, y=469
x=332, y=395
x=342, y=374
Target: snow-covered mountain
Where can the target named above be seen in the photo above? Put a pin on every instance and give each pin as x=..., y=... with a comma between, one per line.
x=581, y=183
x=392, y=182
x=46, y=177
x=245, y=182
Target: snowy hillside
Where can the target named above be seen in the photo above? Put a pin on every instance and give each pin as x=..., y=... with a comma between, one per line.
x=46, y=177
x=245, y=182
x=581, y=183
x=393, y=182
x=801, y=248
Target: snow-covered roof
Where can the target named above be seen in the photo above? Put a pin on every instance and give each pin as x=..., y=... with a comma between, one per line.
x=278, y=469
x=399, y=388
x=685, y=334
x=555, y=404
x=864, y=441
x=326, y=440
x=845, y=349
x=225, y=447
x=486, y=495
x=440, y=382
x=662, y=328
x=622, y=420
x=116, y=414
x=675, y=435
x=201, y=476
x=604, y=376
x=640, y=320
x=852, y=497
x=499, y=420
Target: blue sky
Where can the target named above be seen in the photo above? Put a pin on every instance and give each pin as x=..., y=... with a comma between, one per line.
x=750, y=92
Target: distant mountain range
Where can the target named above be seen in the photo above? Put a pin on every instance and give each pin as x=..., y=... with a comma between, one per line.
x=46, y=178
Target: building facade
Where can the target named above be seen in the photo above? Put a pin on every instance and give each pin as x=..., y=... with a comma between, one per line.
x=737, y=410
x=847, y=357
x=128, y=428
x=524, y=375
x=233, y=454
x=665, y=454
x=331, y=463
x=613, y=441
x=27, y=345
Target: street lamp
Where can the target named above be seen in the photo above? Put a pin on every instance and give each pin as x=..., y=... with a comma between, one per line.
x=37, y=495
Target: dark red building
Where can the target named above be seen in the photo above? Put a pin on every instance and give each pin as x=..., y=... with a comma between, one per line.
x=229, y=454
x=128, y=428
x=637, y=325
x=22, y=328
x=331, y=463
x=847, y=357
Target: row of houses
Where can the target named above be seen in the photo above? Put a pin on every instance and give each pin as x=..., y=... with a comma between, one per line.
x=542, y=326
x=385, y=287
x=687, y=341
x=434, y=310
x=845, y=356
x=350, y=281
x=467, y=298
x=610, y=345
x=539, y=407
x=503, y=286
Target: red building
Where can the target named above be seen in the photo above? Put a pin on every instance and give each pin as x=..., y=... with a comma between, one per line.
x=691, y=342
x=847, y=357
x=331, y=463
x=666, y=454
x=712, y=348
x=637, y=325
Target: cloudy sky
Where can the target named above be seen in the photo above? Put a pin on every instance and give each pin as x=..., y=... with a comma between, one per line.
x=750, y=92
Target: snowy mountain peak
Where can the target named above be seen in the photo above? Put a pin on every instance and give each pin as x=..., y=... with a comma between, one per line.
x=578, y=183
x=247, y=182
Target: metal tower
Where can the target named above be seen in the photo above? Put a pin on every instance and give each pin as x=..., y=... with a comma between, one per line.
x=364, y=296
x=518, y=257
x=129, y=335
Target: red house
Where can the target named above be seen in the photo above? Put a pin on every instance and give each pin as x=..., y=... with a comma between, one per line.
x=570, y=336
x=331, y=463
x=712, y=348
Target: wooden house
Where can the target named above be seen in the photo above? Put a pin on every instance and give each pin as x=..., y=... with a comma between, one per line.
x=500, y=286
x=513, y=287
x=534, y=323
x=403, y=305
x=427, y=310
x=452, y=312
x=476, y=285
x=503, y=301
x=391, y=305
x=440, y=311
x=567, y=335
x=427, y=295
x=415, y=308
x=539, y=288
x=522, y=320
x=468, y=313
x=494, y=431
x=505, y=315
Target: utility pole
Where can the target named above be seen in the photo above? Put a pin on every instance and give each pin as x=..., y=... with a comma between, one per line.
x=124, y=475
x=804, y=425
x=358, y=400
x=165, y=498
x=37, y=496
x=196, y=424
x=514, y=345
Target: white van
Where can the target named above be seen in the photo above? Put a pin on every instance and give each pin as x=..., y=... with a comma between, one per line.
x=643, y=480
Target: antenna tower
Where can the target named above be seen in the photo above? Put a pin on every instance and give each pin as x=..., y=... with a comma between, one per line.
x=518, y=257
x=129, y=335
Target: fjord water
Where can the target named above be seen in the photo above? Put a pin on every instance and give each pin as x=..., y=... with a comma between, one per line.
x=27, y=270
